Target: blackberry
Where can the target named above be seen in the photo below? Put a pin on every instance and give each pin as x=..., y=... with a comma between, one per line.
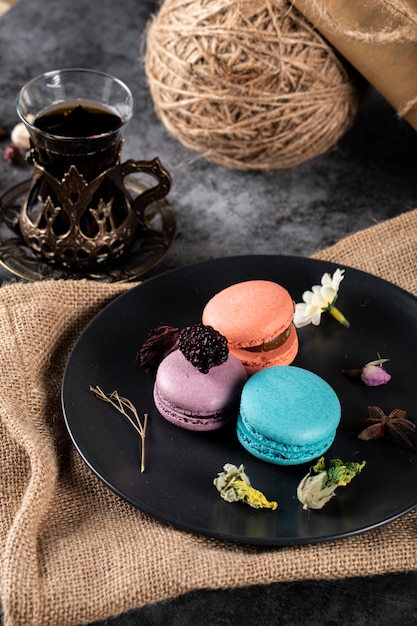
x=203, y=346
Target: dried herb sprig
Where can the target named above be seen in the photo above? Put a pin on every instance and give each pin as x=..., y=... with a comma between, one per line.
x=123, y=405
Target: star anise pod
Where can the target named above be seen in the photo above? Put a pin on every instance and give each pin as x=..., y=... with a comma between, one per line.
x=394, y=426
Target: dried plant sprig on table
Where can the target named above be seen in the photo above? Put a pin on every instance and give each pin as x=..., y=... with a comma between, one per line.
x=123, y=405
x=394, y=426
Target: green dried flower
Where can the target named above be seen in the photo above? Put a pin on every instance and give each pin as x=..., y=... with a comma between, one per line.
x=320, y=484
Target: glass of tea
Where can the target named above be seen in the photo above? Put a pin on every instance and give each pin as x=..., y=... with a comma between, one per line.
x=78, y=211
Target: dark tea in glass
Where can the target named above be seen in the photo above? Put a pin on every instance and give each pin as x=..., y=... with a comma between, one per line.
x=98, y=128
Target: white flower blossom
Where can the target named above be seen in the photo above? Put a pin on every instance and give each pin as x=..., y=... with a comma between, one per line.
x=321, y=298
x=20, y=136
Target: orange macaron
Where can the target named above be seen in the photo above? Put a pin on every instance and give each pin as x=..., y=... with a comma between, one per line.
x=256, y=318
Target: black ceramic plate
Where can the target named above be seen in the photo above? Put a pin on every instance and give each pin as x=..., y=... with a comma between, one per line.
x=177, y=485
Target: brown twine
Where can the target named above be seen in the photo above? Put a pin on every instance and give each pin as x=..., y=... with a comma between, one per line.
x=248, y=83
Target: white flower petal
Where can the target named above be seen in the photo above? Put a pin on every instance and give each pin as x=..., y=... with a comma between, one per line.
x=328, y=294
x=307, y=295
x=316, y=319
x=338, y=276
x=301, y=315
x=311, y=310
x=318, y=300
x=326, y=280
x=300, y=321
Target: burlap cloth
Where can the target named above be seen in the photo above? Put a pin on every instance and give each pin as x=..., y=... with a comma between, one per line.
x=71, y=550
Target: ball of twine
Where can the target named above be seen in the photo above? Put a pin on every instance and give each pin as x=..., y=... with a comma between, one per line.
x=248, y=83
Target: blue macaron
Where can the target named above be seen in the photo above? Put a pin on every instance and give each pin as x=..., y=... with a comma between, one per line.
x=288, y=415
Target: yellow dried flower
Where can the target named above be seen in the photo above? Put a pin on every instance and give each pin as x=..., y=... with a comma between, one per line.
x=234, y=485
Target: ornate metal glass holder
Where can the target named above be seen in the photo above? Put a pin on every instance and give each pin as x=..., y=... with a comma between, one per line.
x=149, y=247
x=76, y=224
x=78, y=212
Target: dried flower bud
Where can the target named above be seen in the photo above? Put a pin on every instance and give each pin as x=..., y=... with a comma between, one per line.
x=372, y=374
x=12, y=155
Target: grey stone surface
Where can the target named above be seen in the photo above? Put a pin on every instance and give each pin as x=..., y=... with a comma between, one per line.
x=367, y=177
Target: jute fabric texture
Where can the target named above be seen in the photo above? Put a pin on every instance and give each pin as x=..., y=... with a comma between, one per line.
x=71, y=551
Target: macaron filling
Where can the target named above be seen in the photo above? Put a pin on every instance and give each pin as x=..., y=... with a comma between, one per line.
x=273, y=344
x=253, y=361
x=191, y=419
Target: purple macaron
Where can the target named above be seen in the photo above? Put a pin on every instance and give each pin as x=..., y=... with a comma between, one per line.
x=194, y=399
